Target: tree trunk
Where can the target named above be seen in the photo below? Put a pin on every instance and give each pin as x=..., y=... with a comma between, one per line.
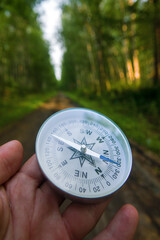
x=156, y=42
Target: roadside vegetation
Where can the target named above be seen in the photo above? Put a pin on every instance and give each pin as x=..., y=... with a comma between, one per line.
x=136, y=113
x=14, y=108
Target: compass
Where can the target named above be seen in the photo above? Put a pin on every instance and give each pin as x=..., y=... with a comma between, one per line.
x=84, y=154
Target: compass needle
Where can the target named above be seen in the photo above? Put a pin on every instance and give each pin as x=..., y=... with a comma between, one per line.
x=67, y=146
x=71, y=144
x=84, y=149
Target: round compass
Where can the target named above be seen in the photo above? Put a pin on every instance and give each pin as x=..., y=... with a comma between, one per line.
x=84, y=154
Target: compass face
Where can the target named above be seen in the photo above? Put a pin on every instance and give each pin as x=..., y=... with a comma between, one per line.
x=83, y=154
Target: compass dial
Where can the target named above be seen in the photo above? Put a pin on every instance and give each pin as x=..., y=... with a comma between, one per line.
x=83, y=154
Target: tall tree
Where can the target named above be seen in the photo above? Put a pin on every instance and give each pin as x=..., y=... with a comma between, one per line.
x=112, y=42
x=24, y=54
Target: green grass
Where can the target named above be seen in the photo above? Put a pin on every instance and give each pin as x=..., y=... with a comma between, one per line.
x=16, y=107
x=137, y=117
x=129, y=116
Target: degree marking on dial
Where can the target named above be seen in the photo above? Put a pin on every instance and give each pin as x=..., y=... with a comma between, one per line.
x=89, y=187
x=111, y=177
x=117, y=166
x=101, y=184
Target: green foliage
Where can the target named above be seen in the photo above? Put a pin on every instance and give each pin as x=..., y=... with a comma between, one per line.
x=24, y=55
x=136, y=112
x=111, y=42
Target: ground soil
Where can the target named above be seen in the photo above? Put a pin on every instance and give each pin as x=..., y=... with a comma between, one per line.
x=142, y=189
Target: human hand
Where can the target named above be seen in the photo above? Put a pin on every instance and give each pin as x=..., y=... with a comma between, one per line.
x=29, y=207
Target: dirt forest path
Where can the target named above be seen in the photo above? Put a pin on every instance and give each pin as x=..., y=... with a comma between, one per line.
x=142, y=189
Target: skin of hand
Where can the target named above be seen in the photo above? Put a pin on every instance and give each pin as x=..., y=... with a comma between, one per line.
x=29, y=207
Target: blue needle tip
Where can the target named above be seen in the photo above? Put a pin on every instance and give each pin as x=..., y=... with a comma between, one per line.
x=107, y=159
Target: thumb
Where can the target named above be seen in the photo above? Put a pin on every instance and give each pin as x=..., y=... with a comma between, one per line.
x=11, y=155
x=122, y=226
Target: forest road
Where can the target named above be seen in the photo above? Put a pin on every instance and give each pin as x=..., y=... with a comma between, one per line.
x=142, y=189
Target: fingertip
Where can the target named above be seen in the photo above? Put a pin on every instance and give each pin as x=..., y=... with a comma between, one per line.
x=13, y=144
x=122, y=226
x=11, y=156
x=17, y=143
x=13, y=150
x=130, y=213
x=126, y=221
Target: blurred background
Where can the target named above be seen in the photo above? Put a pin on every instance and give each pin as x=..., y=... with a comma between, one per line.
x=99, y=54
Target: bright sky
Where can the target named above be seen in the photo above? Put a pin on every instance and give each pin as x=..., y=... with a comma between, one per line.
x=51, y=22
